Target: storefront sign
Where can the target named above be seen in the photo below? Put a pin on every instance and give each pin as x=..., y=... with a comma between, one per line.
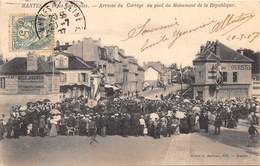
x=240, y=67
x=30, y=83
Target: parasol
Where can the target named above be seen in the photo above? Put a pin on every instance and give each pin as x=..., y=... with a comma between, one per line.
x=55, y=111
x=196, y=109
x=154, y=116
x=22, y=113
x=186, y=101
x=111, y=86
x=92, y=103
x=180, y=115
x=23, y=108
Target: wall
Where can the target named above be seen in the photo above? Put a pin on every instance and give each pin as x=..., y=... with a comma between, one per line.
x=86, y=49
x=225, y=92
x=52, y=83
x=74, y=77
x=151, y=75
x=140, y=80
x=243, y=70
x=11, y=85
x=200, y=73
x=256, y=88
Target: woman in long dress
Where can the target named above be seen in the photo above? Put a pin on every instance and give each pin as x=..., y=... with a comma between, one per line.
x=197, y=124
x=53, y=131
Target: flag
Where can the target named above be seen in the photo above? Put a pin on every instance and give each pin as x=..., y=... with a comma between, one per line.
x=97, y=94
x=212, y=72
x=219, y=75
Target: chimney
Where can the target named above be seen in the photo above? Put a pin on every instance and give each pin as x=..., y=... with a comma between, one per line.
x=207, y=44
x=201, y=48
x=241, y=51
x=57, y=43
x=122, y=51
x=32, y=62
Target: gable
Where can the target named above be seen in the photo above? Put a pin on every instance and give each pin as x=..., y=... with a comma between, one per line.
x=61, y=61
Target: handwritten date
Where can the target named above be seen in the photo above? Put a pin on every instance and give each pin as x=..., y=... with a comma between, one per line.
x=250, y=37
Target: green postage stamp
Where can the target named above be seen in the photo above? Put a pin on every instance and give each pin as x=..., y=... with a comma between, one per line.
x=24, y=35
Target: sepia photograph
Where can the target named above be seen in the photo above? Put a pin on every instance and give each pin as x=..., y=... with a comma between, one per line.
x=129, y=83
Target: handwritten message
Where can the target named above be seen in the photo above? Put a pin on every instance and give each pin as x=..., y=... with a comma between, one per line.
x=171, y=32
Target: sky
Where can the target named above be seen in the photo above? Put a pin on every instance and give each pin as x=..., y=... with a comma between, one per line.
x=112, y=26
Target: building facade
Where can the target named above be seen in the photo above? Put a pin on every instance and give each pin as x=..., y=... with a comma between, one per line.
x=132, y=75
x=87, y=49
x=157, y=74
x=151, y=76
x=29, y=77
x=140, y=79
x=234, y=69
x=255, y=56
x=77, y=77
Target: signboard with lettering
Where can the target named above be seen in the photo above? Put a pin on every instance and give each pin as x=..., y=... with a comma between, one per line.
x=30, y=83
x=240, y=67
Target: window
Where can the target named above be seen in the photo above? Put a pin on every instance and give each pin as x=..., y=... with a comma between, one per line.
x=61, y=62
x=200, y=75
x=2, y=83
x=79, y=77
x=84, y=77
x=224, y=74
x=234, y=76
x=64, y=78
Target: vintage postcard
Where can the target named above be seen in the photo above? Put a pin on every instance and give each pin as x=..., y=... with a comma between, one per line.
x=129, y=82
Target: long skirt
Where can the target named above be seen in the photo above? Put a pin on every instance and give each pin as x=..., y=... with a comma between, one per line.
x=53, y=131
x=197, y=126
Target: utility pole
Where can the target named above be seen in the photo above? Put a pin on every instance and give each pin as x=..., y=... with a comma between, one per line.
x=181, y=77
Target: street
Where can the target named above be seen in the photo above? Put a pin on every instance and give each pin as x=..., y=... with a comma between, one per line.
x=196, y=148
x=158, y=91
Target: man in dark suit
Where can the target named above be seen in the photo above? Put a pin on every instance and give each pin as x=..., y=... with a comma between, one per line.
x=217, y=124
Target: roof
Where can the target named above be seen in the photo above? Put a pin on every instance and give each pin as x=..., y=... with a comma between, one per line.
x=18, y=66
x=62, y=47
x=91, y=63
x=158, y=66
x=214, y=51
x=121, y=54
x=140, y=68
x=153, y=68
x=75, y=63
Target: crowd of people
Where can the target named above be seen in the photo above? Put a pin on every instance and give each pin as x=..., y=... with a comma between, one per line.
x=167, y=116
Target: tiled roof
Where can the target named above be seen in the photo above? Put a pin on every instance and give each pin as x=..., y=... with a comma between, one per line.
x=140, y=68
x=18, y=66
x=214, y=51
x=75, y=63
x=158, y=66
x=158, y=70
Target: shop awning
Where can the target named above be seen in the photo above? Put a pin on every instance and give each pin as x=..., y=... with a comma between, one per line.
x=111, y=87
